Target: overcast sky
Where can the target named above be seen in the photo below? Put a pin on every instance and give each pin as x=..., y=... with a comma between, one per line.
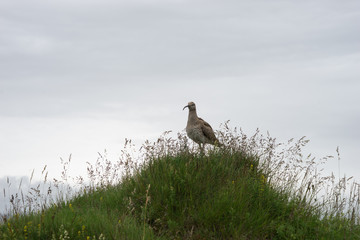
x=78, y=77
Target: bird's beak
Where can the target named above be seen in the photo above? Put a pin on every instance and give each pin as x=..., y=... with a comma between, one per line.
x=185, y=107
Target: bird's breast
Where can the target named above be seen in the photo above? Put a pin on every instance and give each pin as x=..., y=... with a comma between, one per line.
x=195, y=133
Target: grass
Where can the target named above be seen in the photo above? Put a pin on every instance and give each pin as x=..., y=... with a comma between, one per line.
x=253, y=188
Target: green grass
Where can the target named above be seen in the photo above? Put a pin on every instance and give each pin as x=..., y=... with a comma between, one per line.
x=178, y=193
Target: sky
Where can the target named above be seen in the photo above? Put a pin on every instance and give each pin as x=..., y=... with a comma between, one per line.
x=78, y=77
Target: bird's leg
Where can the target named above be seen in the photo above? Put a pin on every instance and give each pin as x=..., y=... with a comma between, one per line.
x=202, y=152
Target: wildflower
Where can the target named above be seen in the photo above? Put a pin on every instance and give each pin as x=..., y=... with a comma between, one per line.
x=251, y=167
x=262, y=182
x=64, y=234
x=9, y=227
x=71, y=207
x=263, y=178
x=25, y=231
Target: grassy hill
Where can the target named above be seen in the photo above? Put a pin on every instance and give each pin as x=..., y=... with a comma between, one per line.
x=245, y=190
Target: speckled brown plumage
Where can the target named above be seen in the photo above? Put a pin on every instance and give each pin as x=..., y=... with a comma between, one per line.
x=198, y=129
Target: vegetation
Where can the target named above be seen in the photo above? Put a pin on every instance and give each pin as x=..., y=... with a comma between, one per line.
x=253, y=188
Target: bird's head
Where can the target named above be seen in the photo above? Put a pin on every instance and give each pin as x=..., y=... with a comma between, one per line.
x=191, y=106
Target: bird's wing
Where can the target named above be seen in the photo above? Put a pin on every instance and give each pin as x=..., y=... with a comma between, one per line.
x=205, y=123
x=207, y=130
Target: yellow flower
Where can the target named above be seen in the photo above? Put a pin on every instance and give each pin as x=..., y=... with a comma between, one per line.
x=251, y=166
x=9, y=228
x=71, y=207
x=263, y=179
x=25, y=231
x=262, y=182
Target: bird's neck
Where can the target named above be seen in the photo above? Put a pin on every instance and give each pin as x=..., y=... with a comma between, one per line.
x=192, y=116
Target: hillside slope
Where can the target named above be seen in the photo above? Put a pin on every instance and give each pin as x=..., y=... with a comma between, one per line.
x=182, y=194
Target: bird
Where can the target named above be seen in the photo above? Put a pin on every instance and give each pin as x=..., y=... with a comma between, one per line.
x=198, y=129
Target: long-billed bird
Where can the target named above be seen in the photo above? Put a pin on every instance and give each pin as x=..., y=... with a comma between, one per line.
x=199, y=130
